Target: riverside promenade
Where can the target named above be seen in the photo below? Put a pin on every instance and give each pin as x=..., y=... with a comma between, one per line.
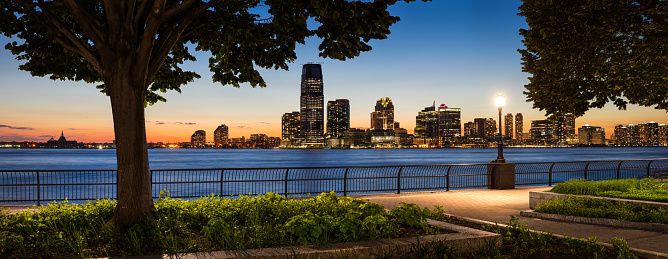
x=499, y=205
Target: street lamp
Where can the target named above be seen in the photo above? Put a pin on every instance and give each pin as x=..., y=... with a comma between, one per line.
x=500, y=100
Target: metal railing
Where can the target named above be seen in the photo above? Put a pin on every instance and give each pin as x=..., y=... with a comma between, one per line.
x=30, y=186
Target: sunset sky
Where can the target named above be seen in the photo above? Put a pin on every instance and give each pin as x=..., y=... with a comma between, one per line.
x=458, y=53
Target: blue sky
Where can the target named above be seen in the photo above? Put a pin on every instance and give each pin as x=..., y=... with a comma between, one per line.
x=459, y=53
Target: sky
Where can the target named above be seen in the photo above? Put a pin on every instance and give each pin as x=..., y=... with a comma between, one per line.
x=457, y=53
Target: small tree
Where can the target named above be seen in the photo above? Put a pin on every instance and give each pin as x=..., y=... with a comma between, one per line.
x=583, y=54
x=134, y=48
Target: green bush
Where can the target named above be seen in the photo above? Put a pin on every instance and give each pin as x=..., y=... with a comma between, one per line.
x=206, y=224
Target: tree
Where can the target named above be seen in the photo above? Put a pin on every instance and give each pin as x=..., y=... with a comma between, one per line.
x=134, y=49
x=582, y=54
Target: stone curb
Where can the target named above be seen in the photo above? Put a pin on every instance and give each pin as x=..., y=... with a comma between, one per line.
x=466, y=239
x=657, y=227
x=642, y=253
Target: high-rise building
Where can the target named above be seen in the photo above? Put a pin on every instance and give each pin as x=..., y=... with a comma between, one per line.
x=663, y=135
x=542, y=131
x=622, y=135
x=449, y=123
x=479, y=127
x=652, y=134
x=290, y=126
x=312, y=105
x=519, y=126
x=220, y=136
x=382, y=118
x=563, y=128
x=490, y=128
x=198, y=139
x=633, y=135
x=338, y=118
x=591, y=135
x=469, y=130
x=508, y=123
x=426, y=127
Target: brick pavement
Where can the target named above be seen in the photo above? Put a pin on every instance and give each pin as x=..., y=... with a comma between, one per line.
x=499, y=205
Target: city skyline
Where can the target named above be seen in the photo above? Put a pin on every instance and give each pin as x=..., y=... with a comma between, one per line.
x=459, y=54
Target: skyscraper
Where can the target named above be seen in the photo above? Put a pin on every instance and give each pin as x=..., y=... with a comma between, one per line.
x=564, y=128
x=312, y=105
x=479, y=127
x=290, y=126
x=426, y=127
x=519, y=126
x=220, y=135
x=382, y=118
x=449, y=123
x=338, y=118
x=198, y=139
x=542, y=131
x=591, y=135
x=508, y=123
x=490, y=128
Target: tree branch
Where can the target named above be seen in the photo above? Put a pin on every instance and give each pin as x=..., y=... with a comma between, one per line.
x=70, y=41
x=90, y=24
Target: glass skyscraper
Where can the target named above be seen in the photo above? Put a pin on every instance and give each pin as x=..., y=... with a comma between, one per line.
x=338, y=118
x=312, y=106
x=383, y=116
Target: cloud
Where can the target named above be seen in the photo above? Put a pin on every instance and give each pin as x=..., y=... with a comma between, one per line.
x=17, y=128
x=242, y=127
x=46, y=136
x=159, y=123
x=190, y=123
x=262, y=122
x=72, y=129
x=177, y=123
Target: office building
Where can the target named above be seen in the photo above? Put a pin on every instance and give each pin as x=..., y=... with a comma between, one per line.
x=542, y=131
x=519, y=126
x=479, y=127
x=221, y=136
x=290, y=126
x=490, y=128
x=663, y=135
x=198, y=139
x=338, y=118
x=426, y=127
x=382, y=118
x=312, y=105
x=508, y=126
x=469, y=130
x=591, y=135
x=449, y=123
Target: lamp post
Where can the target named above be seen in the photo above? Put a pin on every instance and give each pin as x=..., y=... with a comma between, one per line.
x=500, y=100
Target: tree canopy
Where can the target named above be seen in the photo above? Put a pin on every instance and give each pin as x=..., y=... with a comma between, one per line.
x=582, y=54
x=135, y=48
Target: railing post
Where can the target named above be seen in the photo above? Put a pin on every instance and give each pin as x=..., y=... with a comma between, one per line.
x=399, y=180
x=39, y=194
x=345, y=182
x=447, y=179
x=650, y=163
x=222, y=173
x=549, y=175
x=618, y=167
x=286, y=182
x=586, y=167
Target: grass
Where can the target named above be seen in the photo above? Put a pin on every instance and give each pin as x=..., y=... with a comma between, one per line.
x=646, y=189
x=583, y=207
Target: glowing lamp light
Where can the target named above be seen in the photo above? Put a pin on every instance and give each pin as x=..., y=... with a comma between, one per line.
x=500, y=100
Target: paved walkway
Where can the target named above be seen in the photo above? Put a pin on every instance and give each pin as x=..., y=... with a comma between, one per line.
x=499, y=205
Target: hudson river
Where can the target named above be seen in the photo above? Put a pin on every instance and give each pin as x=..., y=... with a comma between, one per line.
x=69, y=159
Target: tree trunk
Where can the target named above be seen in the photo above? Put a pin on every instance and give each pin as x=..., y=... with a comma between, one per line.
x=135, y=200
